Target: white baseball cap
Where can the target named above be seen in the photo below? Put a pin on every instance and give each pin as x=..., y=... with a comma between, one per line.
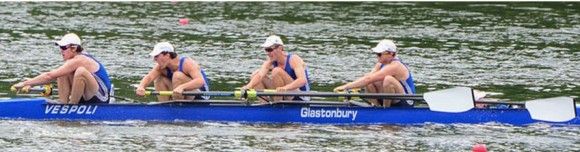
x=271, y=40
x=67, y=39
x=161, y=47
x=385, y=46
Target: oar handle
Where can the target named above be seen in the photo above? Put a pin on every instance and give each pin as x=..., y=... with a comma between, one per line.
x=13, y=89
x=350, y=91
x=196, y=93
x=159, y=93
x=45, y=91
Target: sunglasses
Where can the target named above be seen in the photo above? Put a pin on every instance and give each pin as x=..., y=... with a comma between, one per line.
x=63, y=47
x=379, y=54
x=270, y=49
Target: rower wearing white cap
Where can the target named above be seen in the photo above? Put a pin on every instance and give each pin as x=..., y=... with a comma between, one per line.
x=81, y=79
x=389, y=75
x=174, y=72
x=288, y=71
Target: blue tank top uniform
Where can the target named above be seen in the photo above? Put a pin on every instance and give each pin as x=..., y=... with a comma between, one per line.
x=204, y=88
x=408, y=86
x=290, y=72
x=105, y=86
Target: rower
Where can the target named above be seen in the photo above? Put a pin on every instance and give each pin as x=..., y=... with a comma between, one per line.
x=288, y=72
x=389, y=75
x=174, y=72
x=81, y=79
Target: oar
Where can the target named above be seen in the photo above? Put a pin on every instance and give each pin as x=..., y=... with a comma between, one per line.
x=253, y=94
x=459, y=99
x=558, y=109
x=45, y=91
x=237, y=94
x=196, y=93
x=448, y=100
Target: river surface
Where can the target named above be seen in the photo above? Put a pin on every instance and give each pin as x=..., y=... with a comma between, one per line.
x=515, y=51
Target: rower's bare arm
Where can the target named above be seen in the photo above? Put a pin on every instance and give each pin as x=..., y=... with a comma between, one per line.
x=357, y=82
x=367, y=79
x=260, y=75
x=47, y=77
x=152, y=75
x=390, y=69
x=298, y=65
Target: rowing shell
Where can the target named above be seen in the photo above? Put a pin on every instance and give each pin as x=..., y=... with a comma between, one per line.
x=343, y=113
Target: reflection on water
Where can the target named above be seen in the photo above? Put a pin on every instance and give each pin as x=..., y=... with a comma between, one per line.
x=139, y=136
x=523, y=50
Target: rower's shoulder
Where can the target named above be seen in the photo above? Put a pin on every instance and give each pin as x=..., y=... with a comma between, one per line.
x=398, y=63
x=189, y=60
x=395, y=66
x=79, y=59
x=294, y=55
x=295, y=59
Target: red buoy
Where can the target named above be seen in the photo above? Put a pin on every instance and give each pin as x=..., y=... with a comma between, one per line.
x=479, y=148
x=183, y=21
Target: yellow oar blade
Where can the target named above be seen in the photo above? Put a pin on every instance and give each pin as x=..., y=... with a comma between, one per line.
x=459, y=99
x=559, y=109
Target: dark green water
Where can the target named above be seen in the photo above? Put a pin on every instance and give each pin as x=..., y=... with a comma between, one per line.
x=518, y=51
